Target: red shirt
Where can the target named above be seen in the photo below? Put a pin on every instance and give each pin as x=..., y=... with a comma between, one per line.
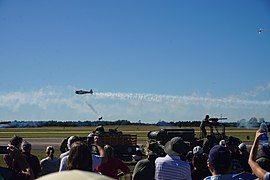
x=111, y=167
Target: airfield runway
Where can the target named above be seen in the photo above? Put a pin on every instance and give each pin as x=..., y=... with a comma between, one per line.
x=40, y=144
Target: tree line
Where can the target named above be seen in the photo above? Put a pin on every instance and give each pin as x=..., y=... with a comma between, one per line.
x=252, y=122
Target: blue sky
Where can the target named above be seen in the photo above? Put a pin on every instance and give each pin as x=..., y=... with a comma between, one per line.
x=145, y=60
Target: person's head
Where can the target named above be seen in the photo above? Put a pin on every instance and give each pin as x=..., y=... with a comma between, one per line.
x=73, y=139
x=242, y=147
x=109, y=151
x=197, y=150
x=222, y=142
x=151, y=145
x=151, y=156
x=26, y=147
x=263, y=157
x=233, y=144
x=189, y=156
x=176, y=147
x=49, y=151
x=91, y=138
x=16, y=141
x=80, y=157
x=219, y=160
x=207, y=116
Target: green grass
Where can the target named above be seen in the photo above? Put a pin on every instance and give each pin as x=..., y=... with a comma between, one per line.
x=140, y=131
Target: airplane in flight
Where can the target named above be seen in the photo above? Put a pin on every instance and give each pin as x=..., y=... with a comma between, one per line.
x=84, y=92
x=260, y=30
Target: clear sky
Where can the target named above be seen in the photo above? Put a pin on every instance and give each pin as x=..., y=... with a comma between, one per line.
x=145, y=60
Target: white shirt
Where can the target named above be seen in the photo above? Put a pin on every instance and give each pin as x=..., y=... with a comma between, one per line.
x=172, y=167
x=96, y=161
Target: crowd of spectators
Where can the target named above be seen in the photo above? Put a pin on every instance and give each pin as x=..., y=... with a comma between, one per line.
x=227, y=160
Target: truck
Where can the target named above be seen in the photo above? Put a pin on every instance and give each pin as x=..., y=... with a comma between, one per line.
x=216, y=133
x=125, y=145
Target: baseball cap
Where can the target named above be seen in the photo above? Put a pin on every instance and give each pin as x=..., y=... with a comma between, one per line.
x=219, y=156
x=242, y=147
x=197, y=150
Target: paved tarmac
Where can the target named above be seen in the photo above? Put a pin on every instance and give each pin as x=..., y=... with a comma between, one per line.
x=40, y=144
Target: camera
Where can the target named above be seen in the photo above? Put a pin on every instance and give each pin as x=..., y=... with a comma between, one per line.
x=3, y=149
x=90, y=140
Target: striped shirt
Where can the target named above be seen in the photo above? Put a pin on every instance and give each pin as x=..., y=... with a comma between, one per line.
x=172, y=167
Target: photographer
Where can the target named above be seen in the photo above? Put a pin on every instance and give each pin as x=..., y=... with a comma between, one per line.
x=97, y=160
x=26, y=172
x=256, y=169
x=101, y=158
x=15, y=141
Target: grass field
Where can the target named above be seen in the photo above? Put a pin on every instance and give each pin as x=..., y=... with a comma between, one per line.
x=140, y=131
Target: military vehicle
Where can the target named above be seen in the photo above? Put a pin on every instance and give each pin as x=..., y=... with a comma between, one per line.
x=215, y=133
x=125, y=145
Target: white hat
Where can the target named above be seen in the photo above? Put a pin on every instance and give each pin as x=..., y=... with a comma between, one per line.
x=242, y=147
x=197, y=150
x=222, y=142
x=74, y=174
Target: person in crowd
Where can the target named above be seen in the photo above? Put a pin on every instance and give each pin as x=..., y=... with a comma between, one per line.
x=11, y=163
x=256, y=169
x=80, y=157
x=171, y=166
x=63, y=146
x=237, y=161
x=64, y=156
x=199, y=171
x=49, y=164
x=114, y=167
x=25, y=173
x=204, y=122
x=100, y=156
x=263, y=157
x=145, y=168
x=219, y=163
x=70, y=140
x=99, y=129
x=189, y=157
x=97, y=160
x=199, y=164
x=32, y=160
x=244, y=156
x=222, y=143
x=137, y=156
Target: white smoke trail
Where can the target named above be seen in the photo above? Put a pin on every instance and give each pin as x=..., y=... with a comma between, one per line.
x=187, y=100
x=44, y=98
x=91, y=107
